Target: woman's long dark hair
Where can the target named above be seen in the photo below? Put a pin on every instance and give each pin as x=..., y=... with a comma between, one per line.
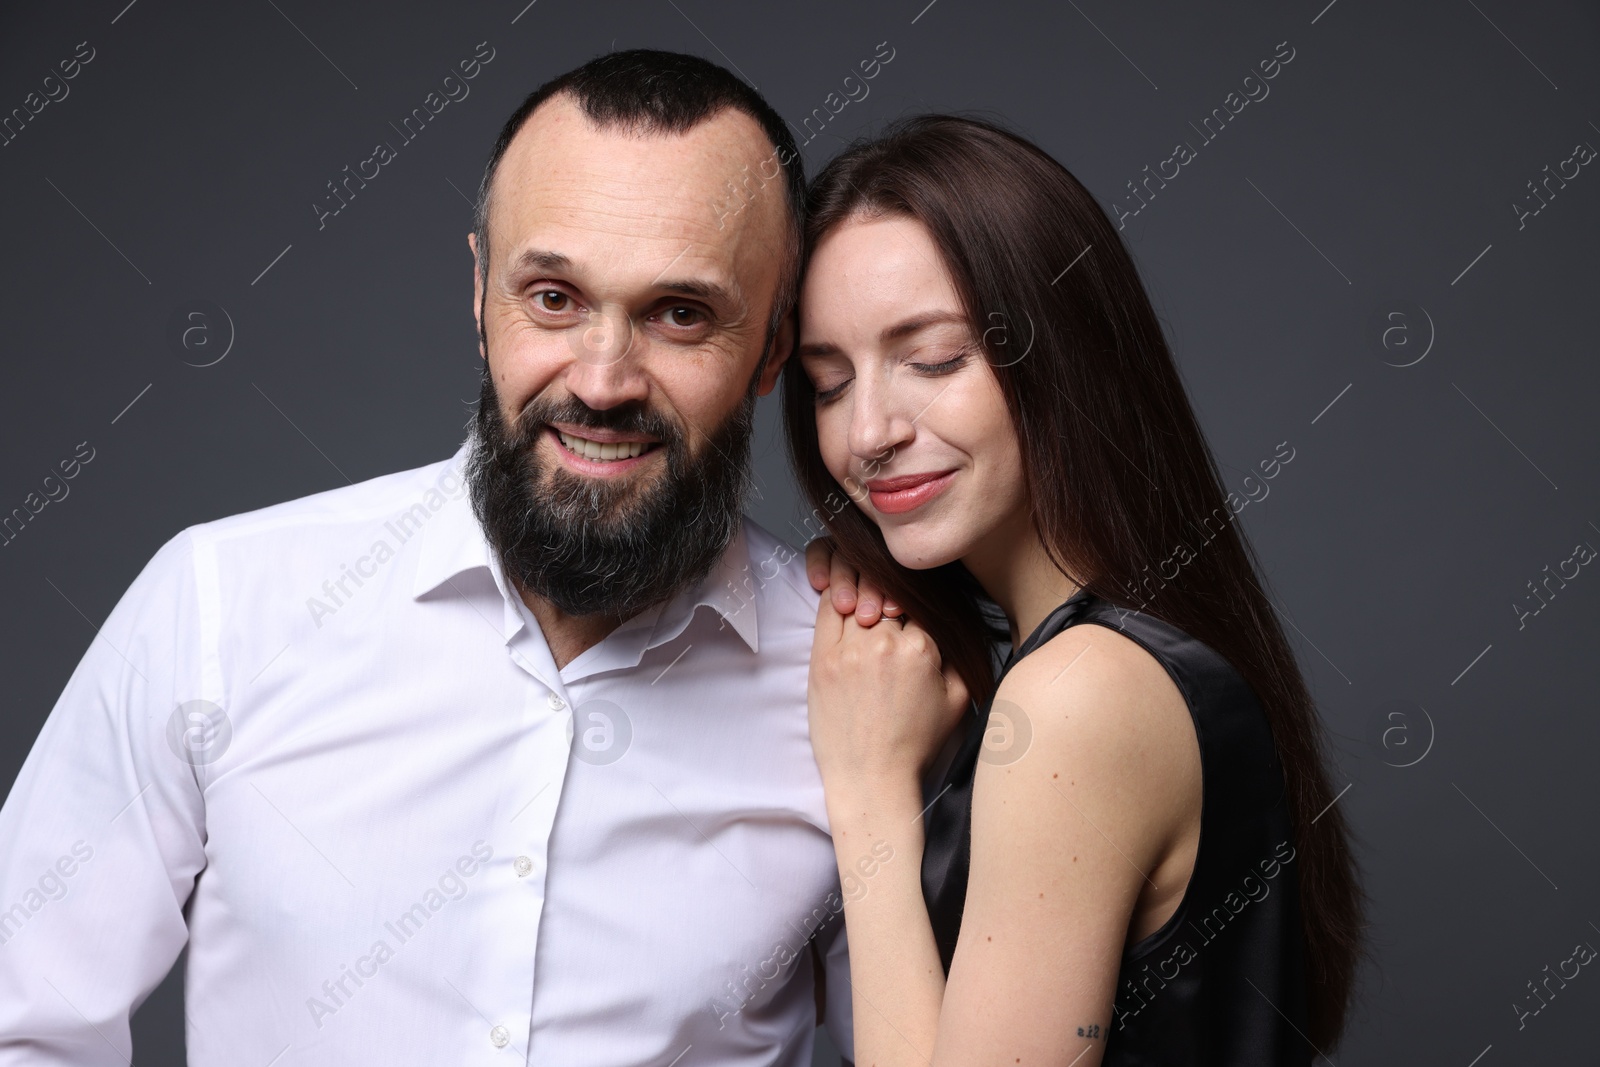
x=1117, y=469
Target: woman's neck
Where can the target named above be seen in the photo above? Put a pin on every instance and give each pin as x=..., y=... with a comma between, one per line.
x=1018, y=574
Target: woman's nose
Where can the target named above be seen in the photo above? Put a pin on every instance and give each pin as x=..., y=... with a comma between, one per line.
x=877, y=426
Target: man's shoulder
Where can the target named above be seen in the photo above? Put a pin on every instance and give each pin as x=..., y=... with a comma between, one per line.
x=295, y=544
x=354, y=506
x=778, y=569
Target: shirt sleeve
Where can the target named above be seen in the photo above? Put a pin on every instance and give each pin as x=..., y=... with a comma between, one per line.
x=837, y=1019
x=103, y=833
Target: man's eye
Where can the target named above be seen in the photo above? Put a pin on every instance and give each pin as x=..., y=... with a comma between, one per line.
x=683, y=316
x=553, y=300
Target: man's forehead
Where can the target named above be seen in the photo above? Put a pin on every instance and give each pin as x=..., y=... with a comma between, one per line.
x=619, y=209
x=561, y=163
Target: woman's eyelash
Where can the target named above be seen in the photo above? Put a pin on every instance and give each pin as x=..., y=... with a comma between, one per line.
x=954, y=363
x=946, y=366
x=825, y=395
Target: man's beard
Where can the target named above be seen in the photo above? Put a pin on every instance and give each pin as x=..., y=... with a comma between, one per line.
x=611, y=547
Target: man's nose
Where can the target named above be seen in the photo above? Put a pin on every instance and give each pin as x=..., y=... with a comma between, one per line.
x=605, y=370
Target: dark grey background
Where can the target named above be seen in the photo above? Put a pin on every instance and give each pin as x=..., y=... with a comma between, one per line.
x=1383, y=164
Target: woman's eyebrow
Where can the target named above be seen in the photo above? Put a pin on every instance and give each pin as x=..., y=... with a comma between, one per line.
x=900, y=330
x=920, y=321
x=817, y=348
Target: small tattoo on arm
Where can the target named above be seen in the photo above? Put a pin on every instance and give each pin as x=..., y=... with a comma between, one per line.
x=1089, y=1031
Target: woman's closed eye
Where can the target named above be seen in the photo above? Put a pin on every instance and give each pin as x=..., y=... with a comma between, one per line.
x=832, y=392
x=957, y=360
x=826, y=392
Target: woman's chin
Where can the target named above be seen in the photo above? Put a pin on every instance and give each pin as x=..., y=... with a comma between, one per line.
x=920, y=553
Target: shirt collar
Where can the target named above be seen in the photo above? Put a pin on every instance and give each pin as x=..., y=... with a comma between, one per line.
x=453, y=542
x=728, y=590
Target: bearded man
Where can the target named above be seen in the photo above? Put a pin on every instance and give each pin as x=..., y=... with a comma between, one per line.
x=505, y=756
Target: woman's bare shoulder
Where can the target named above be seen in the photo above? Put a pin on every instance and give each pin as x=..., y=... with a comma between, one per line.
x=1108, y=726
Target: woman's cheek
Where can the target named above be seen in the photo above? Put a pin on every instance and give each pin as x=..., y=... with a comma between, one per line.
x=833, y=442
x=992, y=440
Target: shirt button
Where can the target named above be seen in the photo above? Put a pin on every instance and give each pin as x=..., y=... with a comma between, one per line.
x=523, y=865
x=556, y=703
x=499, y=1037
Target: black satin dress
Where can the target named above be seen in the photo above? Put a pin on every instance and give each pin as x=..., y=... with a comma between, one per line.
x=1223, y=980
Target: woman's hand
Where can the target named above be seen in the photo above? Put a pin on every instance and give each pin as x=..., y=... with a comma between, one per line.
x=881, y=704
x=850, y=592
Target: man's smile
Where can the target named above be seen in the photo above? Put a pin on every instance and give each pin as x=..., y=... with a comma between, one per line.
x=602, y=452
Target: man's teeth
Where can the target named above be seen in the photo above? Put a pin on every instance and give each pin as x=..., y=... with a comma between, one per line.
x=602, y=450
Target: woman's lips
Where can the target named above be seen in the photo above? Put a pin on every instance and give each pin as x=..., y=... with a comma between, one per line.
x=896, y=496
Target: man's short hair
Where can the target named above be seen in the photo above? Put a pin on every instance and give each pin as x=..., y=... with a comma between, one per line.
x=650, y=91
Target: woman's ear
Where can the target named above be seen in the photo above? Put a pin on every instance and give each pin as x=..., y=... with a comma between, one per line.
x=782, y=348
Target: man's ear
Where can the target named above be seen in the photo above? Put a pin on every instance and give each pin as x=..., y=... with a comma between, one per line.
x=782, y=349
x=477, y=292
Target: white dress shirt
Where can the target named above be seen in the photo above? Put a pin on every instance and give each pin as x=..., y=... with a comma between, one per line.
x=325, y=743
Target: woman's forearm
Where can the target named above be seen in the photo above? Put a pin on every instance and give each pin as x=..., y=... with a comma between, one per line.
x=896, y=976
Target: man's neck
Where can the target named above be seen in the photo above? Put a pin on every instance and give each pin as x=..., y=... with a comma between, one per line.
x=568, y=636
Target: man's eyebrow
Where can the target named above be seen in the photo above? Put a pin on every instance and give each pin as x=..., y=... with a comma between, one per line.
x=902, y=329
x=540, y=259
x=701, y=289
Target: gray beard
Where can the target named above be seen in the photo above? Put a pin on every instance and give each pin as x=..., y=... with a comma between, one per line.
x=590, y=547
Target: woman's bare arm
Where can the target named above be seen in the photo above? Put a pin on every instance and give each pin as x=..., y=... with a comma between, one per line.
x=1065, y=840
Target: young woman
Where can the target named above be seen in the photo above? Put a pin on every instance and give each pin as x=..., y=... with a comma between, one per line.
x=1133, y=855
